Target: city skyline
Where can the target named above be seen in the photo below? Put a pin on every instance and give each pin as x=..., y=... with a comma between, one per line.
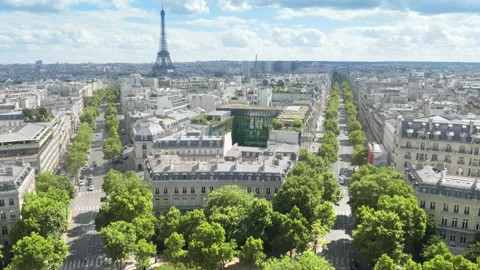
x=201, y=30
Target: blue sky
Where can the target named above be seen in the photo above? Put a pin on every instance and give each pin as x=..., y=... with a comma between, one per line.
x=102, y=31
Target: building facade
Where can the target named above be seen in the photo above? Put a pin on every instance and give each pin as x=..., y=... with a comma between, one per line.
x=450, y=200
x=446, y=143
x=15, y=181
x=186, y=184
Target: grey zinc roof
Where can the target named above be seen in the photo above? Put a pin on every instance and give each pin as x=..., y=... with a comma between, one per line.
x=22, y=133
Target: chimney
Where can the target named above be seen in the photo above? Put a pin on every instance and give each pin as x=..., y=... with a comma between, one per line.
x=471, y=127
x=171, y=165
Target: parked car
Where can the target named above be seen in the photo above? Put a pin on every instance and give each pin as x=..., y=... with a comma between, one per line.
x=82, y=177
x=63, y=173
x=81, y=183
x=91, y=188
x=90, y=177
x=355, y=265
x=343, y=171
x=94, y=164
x=126, y=157
x=341, y=180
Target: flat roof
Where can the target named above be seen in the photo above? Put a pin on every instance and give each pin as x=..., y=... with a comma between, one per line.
x=294, y=112
x=249, y=107
x=26, y=132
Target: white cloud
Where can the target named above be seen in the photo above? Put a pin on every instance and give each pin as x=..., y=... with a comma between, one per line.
x=305, y=37
x=238, y=38
x=221, y=22
x=43, y=5
x=234, y=5
x=334, y=14
x=188, y=6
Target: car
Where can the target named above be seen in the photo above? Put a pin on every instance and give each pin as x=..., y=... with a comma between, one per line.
x=341, y=180
x=94, y=164
x=118, y=162
x=355, y=265
x=84, y=168
x=63, y=173
x=91, y=188
x=81, y=183
x=126, y=157
x=98, y=134
x=90, y=177
x=82, y=177
x=343, y=171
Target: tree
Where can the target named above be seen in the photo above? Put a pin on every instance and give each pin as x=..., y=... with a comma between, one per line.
x=252, y=253
x=257, y=219
x=385, y=263
x=411, y=265
x=75, y=161
x=472, y=251
x=291, y=232
x=332, y=125
x=318, y=235
x=110, y=111
x=306, y=261
x=36, y=252
x=169, y=224
x=377, y=233
x=331, y=139
x=112, y=148
x=174, y=252
x=228, y=206
x=127, y=200
x=144, y=251
x=359, y=155
x=43, y=215
x=414, y=219
x=189, y=222
x=43, y=112
x=119, y=241
x=208, y=248
x=332, y=192
x=357, y=137
x=297, y=123
x=354, y=125
x=28, y=113
x=328, y=152
x=319, y=164
x=47, y=180
x=277, y=124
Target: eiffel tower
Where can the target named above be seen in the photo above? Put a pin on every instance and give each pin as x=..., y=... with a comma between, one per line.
x=163, y=65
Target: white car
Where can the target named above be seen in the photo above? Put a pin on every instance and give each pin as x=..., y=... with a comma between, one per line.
x=81, y=183
x=90, y=177
x=341, y=179
x=91, y=188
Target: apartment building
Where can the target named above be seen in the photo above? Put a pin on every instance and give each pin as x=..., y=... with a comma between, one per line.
x=15, y=181
x=194, y=145
x=444, y=142
x=186, y=184
x=144, y=134
x=11, y=119
x=451, y=200
x=30, y=143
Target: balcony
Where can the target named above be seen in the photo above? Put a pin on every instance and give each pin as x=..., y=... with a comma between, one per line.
x=461, y=162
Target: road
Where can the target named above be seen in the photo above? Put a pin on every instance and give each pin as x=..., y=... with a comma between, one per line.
x=340, y=252
x=83, y=240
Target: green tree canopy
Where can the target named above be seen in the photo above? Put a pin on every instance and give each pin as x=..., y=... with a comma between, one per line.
x=36, y=252
x=385, y=263
x=252, y=253
x=306, y=261
x=48, y=181
x=174, y=252
x=119, y=240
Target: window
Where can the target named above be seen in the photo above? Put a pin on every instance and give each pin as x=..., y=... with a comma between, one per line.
x=454, y=222
x=4, y=230
x=3, y=216
x=257, y=190
x=157, y=201
x=2, y=203
x=144, y=154
x=203, y=189
x=422, y=204
x=432, y=216
x=478, y=226
x=144, y=146
x=463, y=239
x=447, y=192
x=452, y=237
x=432, y=205
x=465, y=224
x=467, y=210
x=211, y=189
x=455, y=208
x=184, y=190
x=443, y=235
x=445, y=207
x=11, y=201
x=165, y=190
x=176, y=190
x=268, y=191
x=275, y=190
x=157, y=190
x=192, y=190
x=444, y=221
x=249, y=189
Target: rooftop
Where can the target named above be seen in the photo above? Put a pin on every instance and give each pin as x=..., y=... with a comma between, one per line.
x=248, y=107
x=433, y=176
x=27, y=132
x=294, y=112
